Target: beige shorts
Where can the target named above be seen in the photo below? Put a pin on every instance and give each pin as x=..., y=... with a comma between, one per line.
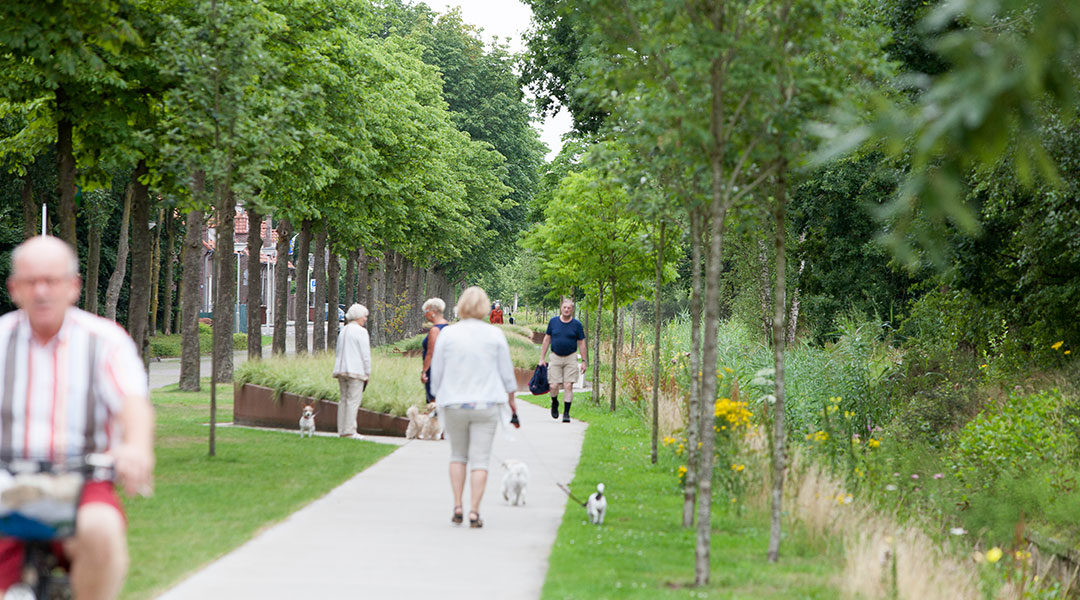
x=562, y=369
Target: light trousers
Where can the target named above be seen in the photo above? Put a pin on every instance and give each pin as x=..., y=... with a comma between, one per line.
x=352, y=393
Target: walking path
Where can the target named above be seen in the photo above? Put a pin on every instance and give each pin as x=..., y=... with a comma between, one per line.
x=386, y=533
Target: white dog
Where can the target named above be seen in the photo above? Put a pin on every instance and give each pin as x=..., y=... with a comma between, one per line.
x=423, y=425
x=307, y=421
x=596, y=506
x=515, y=481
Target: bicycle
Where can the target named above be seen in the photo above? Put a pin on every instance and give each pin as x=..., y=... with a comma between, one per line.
x=38, y=504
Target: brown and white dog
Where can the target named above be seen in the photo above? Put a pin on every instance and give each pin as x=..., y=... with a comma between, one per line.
x=422, y=425
x=307, y=421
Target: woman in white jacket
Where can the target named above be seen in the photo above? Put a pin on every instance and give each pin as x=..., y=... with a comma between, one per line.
x=473, y=381
x=352, y=368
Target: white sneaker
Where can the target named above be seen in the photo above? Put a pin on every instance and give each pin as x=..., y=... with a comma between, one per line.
x=355, y=436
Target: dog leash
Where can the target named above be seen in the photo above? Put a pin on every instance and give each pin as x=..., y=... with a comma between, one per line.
x=565, y=488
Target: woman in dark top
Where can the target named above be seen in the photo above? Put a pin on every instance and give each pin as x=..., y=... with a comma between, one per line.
x=433, y=312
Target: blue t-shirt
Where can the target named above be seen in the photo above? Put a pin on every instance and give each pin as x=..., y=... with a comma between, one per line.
x=565, y=336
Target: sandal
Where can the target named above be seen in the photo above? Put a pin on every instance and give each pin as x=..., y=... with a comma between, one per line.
x=457, y=517
x=475, y=523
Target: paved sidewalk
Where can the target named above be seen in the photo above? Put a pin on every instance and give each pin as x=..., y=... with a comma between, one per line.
x=386, y=533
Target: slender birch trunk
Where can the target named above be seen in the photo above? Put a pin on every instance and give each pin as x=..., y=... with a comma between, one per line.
x=281, y=287
x=779, y=465
x=656, y=345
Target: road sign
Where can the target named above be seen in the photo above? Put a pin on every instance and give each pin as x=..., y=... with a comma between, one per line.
x=312, y=286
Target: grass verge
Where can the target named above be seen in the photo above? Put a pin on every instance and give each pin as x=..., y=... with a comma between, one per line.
x=204, y=507
x=643, y=552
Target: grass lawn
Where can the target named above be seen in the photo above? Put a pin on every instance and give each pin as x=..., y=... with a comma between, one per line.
x=643, y=552
x=203, y=507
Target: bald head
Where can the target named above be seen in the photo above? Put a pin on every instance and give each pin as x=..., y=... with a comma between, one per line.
x=44, y=282
x=45, y=248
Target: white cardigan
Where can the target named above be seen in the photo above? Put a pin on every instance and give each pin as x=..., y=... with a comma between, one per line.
x=471, y=365
x=353, y=352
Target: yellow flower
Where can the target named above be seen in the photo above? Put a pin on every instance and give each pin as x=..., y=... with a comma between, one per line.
x=668, y=440
x=848, y=414
x=1022, y=555
x=982, y=366
x=682, y=471
x=1057, y=345
x=1067, y=352
x=734, y=500
x=821, y=436
x=993, y=555
x=872, y=443
x=737, y=467
x=858, y=472
x=729, y=369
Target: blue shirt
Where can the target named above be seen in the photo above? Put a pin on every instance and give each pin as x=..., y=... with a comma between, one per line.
x=565, y=336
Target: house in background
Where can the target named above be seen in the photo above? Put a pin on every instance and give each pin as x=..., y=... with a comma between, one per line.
x=264, y=278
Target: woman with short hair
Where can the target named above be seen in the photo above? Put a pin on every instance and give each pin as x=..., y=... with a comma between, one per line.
x=472, y=378
x=433, y=313
x=352, y=368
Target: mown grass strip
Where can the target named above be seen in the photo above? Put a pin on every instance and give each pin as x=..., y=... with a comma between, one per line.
x=204, y=507
x=643, y=552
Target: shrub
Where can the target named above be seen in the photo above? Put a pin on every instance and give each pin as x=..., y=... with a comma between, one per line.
x=1023, y=434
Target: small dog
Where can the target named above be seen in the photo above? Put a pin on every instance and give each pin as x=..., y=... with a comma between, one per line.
x=515, y=481
x=307, y=421
x=423, y=425
x=596, y=506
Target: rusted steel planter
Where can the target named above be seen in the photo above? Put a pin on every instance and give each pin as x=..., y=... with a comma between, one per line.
x=254, y=405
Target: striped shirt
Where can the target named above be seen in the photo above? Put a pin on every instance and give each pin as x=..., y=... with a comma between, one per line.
x=59, y=399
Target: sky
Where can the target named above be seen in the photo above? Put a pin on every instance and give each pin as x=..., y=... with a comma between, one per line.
x=508, y=19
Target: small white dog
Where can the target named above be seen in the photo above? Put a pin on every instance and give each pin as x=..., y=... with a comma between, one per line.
x=596, y=505
x=515, y=481
x=307, y=421
x=423, y=425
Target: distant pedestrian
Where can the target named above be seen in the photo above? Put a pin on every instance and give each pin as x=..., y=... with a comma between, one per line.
x=352, y=368
x=566, y=336
x=472, y=378
x=433, y=313
x=496, y=316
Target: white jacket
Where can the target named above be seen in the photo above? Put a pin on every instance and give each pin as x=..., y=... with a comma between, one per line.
x=353, y=352
x=471, y=365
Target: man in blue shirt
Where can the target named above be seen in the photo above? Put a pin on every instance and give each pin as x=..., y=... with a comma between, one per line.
x=566, y=337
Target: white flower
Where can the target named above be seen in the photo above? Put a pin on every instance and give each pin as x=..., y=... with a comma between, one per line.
x=890, y=488
x=957, y=531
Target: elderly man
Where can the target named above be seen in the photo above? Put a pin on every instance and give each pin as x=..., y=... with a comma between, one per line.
x=352, y=368
x=71, y=384
x=565, y=335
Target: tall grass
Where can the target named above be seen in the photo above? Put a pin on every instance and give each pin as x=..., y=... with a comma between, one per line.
x=395, y=380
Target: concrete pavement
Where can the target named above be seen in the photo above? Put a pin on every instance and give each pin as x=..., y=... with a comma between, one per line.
x=386, y=533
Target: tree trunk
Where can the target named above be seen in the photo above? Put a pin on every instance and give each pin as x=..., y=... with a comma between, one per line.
x=350, y=277
x=141, y=256
x=155, y=273
x=656, y=345
x=416, y=293
x=190, y=292
x=116, y=280
x=303, y=247
x=778, y=331
x=333, y=275
x=170, y=270
x=224, y=283
x=363, y=279
x=281, y=286
x=93, y=268
x=614, y=344
x=377, y=279
x=693, y=409
x=254, y=287
x=718, y=207
x=65, y=167
x=31, y=215
x=596, y=353
x=318, y=335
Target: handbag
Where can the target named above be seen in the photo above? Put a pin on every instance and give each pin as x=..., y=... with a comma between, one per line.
x=539, y=382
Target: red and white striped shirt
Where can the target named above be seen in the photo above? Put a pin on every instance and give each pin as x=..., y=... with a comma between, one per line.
x=59, y=399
